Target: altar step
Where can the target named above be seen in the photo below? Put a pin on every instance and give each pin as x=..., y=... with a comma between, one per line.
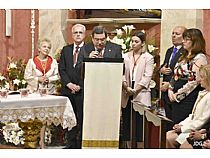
x=2, y=146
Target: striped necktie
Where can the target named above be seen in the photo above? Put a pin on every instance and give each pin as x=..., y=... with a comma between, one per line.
x=76, y=54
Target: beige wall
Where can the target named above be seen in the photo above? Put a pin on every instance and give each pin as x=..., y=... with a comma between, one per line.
x=52, y=25
x=173, y=17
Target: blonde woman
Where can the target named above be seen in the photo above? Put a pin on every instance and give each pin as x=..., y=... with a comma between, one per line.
x=42, y=70
x=199, y=116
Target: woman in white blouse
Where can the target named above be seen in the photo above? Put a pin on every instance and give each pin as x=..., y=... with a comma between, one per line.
x=199, y=116
x=42, y=70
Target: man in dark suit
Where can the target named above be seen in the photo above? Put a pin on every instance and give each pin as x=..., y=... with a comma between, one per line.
x=70, y=82
x=171, y=58
x=99, y=48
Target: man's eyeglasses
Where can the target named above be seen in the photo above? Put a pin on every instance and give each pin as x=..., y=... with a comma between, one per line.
x=100, y=39
x=187, y=39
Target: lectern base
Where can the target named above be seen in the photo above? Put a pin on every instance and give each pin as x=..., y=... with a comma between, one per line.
x=100, y=144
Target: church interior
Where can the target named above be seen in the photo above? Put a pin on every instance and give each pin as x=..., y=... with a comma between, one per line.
x=20, y=30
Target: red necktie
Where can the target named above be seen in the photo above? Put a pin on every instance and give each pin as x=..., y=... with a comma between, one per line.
x=76, y=54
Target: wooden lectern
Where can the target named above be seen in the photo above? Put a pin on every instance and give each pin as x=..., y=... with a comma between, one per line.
x=102, y=102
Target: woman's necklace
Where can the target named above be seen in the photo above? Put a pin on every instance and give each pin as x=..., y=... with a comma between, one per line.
x=135, y=63
x=135, y=60
x=43, y=64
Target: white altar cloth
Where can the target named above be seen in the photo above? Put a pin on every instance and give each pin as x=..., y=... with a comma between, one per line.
x=48, y=109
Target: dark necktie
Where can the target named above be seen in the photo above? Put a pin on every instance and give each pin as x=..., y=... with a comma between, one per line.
x=76, y=54
x=100, y=53
x=173, y=55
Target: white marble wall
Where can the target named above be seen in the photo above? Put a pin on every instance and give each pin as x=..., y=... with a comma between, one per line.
x=173, y=17
x=52, y=25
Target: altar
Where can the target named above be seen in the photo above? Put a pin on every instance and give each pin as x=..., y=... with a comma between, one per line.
x=33, y=111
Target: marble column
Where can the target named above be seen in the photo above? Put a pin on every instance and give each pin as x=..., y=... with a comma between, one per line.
x=52, y=25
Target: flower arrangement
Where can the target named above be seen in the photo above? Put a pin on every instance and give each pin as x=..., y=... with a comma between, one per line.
x=48, y=135
x=151, y=48
x=14, y=76
x=3, y=82
x=13, y=133
x=123, y=37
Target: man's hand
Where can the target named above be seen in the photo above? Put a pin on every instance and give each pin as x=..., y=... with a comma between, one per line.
x=165, y=70
x=93, y=54
x=206, y=144
x=73, y=87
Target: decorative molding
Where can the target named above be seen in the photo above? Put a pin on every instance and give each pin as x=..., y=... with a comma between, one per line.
x=114, y=20
x=32, y=32
x=8, y=22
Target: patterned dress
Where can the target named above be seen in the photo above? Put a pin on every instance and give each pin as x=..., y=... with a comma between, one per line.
x=185, y=83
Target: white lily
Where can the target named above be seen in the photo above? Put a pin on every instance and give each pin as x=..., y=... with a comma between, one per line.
x=6, y=85
x=13, y=133
x=125, y=28
x=143, y=31
x=151, y=48
x=2, y=78
x=16, y=81
x=119, y=33
x=23, y=82
x=12, y=66
x=130, y=28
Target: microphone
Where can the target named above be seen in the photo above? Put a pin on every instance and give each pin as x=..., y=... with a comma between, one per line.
x=99, y=52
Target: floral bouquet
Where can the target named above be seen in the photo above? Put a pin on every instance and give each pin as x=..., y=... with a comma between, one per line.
x=48, y=135
x=123, y=37
x=13, y=133
x=3, y=82
x=15, y=73
x=151, y=48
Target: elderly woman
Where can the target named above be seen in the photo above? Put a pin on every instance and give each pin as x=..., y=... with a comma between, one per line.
x=136, y=80
x=42, y=70
x=199, y=116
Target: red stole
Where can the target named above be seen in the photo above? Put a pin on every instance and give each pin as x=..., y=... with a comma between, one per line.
x=43, y=67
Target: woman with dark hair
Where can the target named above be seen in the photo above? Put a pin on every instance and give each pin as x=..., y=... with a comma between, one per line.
x=136, y=80
x=184, y=85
